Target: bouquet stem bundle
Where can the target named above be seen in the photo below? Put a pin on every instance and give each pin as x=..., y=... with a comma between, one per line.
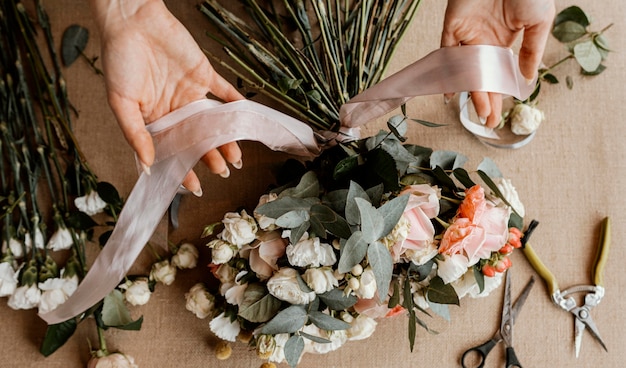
x=311, y=56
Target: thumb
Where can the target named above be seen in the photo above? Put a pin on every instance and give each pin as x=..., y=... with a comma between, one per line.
x=133, y=127
x=533, y=46
x=223, y=90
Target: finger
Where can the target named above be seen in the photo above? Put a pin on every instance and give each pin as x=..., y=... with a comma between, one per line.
x=133, y=127
x=495, y=101
x=534, y=44
x=216, y=163
x=192, y=183
x=447, y=40
x=232, y=154
x=223, y=90
x=481, y=105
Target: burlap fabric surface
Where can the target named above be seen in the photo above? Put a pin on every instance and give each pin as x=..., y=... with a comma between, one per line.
x=571, y=176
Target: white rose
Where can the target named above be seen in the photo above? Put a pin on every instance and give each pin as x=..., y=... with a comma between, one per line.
x=55, y=291
x=199, y=301
x=310, y=252
x=14, y=246
x=320, y=280
x=91, y=203
x=421, y=256
x=266, y=223
x=115, y=360
x=278, y=356
x=137, y=292
x=239, y=229
x=39, y=242
x=234, y=295
x=361, y=327
x=336, y=338
x=221, y=251
x=186, y=257
x=25, y=297
x=452, y=267
x=491, y=284
x=510, y=194
x=8, y=279
x=163, y=272
x=525, y=119
x=284, y=286
x=224, y=328
x=226, y=276
x=367, y=284
x=61, y=239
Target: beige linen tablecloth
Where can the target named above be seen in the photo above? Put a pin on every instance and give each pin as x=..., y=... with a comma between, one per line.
x=571, y=176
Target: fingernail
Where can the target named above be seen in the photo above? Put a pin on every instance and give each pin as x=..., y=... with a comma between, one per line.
x=198, y=192
x=446, y=99
x=226, y=173
x=145, y=168
x=238, y=165
x=529, y=81
x=483, y=120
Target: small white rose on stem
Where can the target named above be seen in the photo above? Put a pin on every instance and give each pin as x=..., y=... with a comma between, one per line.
x=239, y=229
x=525, y=119
x=199, y=301
x=137, y=292
x=186, y=257
x=115, y=360
x=163, y=272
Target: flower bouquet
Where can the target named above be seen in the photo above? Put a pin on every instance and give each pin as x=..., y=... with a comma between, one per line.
x=371, y=228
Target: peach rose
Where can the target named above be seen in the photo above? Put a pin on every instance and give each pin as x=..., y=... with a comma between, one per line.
x=266, y=252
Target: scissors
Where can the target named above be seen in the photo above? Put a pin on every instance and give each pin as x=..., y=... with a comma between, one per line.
x=505, y=332
x=594, y=293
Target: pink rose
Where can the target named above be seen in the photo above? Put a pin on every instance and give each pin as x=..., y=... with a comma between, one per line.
x=266, y=252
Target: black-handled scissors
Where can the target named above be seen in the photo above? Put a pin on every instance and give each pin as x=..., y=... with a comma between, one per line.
x=505, y=332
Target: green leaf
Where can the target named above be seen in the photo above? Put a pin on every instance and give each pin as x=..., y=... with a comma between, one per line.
x=375, y=194
x=441, y=293
x=57, y=335
x=428, y=124
x=489, y=167
x=297, y=232
x=372, y=222
x=380, y=259
x=80, y=220
x=447, y=160
x=550, y=78
x=480, y=279
x=441, y=310
x=384, y=166
x=494, y=188
x=352, y=252
x=516, y=220
x=331, y=221
x=346, y=166
x=568, y=31
x=109, y=194
x=394, y=300
x=391, y=213
x=307, y=187
x=572, y=14
x=317, y=339
x=600, y=69
x=570, y=82
x=292, y=219
x=258, y=305
x=335, y=299
x=588, y=56
x=327, y=322
x=443, y=179
x=280, y=206
x=293, y=350
x=352, y=210
x=394, y=124
x=336, y=199
x=463, y=177
x=114, y=312
x=73, y=43
x=287, y=84
x=288, y=320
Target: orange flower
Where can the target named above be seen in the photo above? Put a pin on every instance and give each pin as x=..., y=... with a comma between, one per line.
x=473, y=206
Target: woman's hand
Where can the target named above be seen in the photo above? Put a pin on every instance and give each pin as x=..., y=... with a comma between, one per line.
x=152, y=66
x=499, y=23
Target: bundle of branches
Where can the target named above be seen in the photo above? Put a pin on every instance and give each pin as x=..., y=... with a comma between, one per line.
x=310, y=56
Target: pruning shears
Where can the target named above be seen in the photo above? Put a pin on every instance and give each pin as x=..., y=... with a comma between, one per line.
x=563, y=299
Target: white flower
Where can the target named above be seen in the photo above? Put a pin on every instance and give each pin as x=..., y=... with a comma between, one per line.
x=361, y=328
x=421, y=256
x=39, y=242
x=61, y=239
x=221, y=251
x=226, y=276
x=239, y=229
x=186, y=256
x=8, y=279
x=525, y=119
x=91, y=203
x=199, y=301
x=137, y=292
x=284, y=286
x=163, y=272
x=266, y=223
x=310, y=252
x=452, y=267
x=510, y=194
x=367, y=284
x=320, y=280
x=491, y=284
x=234, y=295
x=15, y=246
x=55, y=291
x=25, y=297
x=115, y=360
x=337, y=339
x=278, y=356
x=224, y=328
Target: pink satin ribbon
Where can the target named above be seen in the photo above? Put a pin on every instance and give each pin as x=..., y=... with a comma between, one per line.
x=183, y=136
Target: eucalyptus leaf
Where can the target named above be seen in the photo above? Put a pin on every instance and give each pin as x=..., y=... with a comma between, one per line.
x=288, y=320
x=439, y=292
x=335, y=299
x=447, y=160
x=568, y=31
x=573, y=14
x=600, y=69
x=258, y=305
x=428, y=124
x=380, y=259
x=73, y=43
x=391, y=212
x=372, y=221
x=327, y=322
x=280, y=206
x=57, y=335
x=384, y=166
x=463, y=177
x=394, y=300
x=346, y=166
x=375, y=194
x=331, y=221
x=396, y=125
x=317, y=339
x=352, y=210
x=307, y=187
x=489, y=167
x=352, y=252
x=444, y=179
x=292, y=219
x=494, y=188
x=588, y=56
x=336, y=199
x=293, y=350
x=297, y=232
x=399, y=153
x=317, y=228
x=441, y=310
x=115, y=313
